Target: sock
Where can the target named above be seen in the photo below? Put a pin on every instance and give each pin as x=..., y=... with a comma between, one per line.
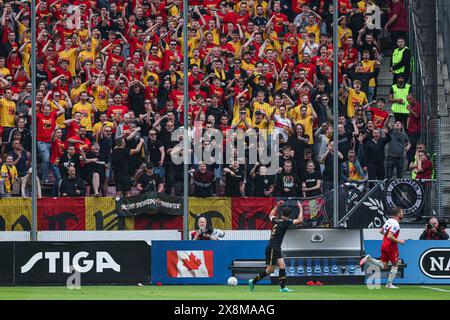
x=375, y=261
x=260, y=276
x=282, y=278
x=392, y=275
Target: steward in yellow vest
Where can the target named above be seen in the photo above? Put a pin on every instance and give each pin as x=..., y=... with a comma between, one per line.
x=397, y=96
x=401, y=60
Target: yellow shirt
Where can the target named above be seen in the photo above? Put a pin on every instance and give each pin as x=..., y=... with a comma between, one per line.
x=5, y=71
x=98, y=126
x=83, y=34
x=236, y=46
x=247, y=66
x=314, y=29
x=307, y=123
x=71, y=56
x=75, y=92
x=241, y=125
x=265, y=107
x=100, y=94
x=294, y=113
x=263, y=126
x=342, y=31
x=26, y=61
x=174, y=11
x=86, y=55
x=86, y=112
x=353, y=98
x=250, y=9
x=6, y=173
x=148, y=74
x=62, y=117
x=7, y=112
x=369, y=66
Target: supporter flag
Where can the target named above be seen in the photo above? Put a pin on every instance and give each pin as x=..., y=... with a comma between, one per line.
x=370, y=213
x=190, y=264
x=314, y=214
x=15, y=214
x=156, y=222
x=216, y=211
x=252, y=213
x=63, y=214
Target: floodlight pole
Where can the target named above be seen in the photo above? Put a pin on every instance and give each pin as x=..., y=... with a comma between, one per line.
x=186, y=147
x=335, y=116
x=33, y=124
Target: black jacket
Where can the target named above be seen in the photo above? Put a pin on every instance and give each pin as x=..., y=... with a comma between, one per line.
x=70, y=186
x=374, y=152
x=438, y=235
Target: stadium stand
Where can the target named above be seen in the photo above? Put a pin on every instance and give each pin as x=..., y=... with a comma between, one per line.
x=110, y=93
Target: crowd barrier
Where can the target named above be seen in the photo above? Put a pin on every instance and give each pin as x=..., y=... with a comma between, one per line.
x=75, y=263
x=178, y=262
x=197, y=262
x=361, y=206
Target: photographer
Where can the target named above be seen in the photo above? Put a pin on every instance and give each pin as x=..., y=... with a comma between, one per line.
x=205, y=232
x=434, y=230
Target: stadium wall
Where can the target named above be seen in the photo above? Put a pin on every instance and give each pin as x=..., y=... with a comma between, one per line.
x=75, y=263
x=427, y=262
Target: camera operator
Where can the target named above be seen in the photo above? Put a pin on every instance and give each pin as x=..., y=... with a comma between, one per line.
x=434, y=230
x=205, y=232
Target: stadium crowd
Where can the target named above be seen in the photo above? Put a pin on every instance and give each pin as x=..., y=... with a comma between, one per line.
x=110, y=94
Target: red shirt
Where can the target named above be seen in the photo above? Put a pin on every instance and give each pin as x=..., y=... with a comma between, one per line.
x=45, y=126
x=278, y=22
x=86, y=141
x=427, y=167
x=118, y=111
x=73, y=128
x=57, y=150
x=400, y=23
x=379, y=117
x=414, y=124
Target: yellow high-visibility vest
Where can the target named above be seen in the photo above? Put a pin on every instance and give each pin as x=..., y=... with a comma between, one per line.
x=397, y=56
x=400, y=93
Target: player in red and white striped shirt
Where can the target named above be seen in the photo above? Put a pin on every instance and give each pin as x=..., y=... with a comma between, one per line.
x=389, y=247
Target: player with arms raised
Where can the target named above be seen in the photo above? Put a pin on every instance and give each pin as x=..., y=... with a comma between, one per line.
x=389, y=247
x=274, y=256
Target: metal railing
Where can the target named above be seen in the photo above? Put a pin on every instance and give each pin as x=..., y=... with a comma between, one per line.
x=443, y=13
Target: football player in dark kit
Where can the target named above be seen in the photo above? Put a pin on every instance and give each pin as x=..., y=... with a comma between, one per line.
x=274, y=256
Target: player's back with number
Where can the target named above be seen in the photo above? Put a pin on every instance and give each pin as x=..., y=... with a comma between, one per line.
x=279, y=228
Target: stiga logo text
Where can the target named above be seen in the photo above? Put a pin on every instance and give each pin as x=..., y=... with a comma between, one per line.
x=435, y=263
x=60, y=262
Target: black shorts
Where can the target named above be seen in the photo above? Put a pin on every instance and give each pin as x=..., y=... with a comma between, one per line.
x=122, y=184
x=272, y=255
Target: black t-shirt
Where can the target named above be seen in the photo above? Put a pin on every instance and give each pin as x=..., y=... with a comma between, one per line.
x=149, y=182
x=286, y=181
x=99, y=166
x=279, y=228
x=311, y=181
x=119, y=159
x=262, y=183
x=345, y=143
x=65, y=162
x=302, y=168
x=232, y=182
x=153, y=151
x=106, y=146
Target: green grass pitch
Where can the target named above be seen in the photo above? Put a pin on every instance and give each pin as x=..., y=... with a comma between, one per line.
x=241, y=292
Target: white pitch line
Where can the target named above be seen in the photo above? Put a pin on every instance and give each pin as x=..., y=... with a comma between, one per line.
x=437, y=289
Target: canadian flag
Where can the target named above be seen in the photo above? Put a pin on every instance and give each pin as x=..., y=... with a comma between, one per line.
x=190, y=264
